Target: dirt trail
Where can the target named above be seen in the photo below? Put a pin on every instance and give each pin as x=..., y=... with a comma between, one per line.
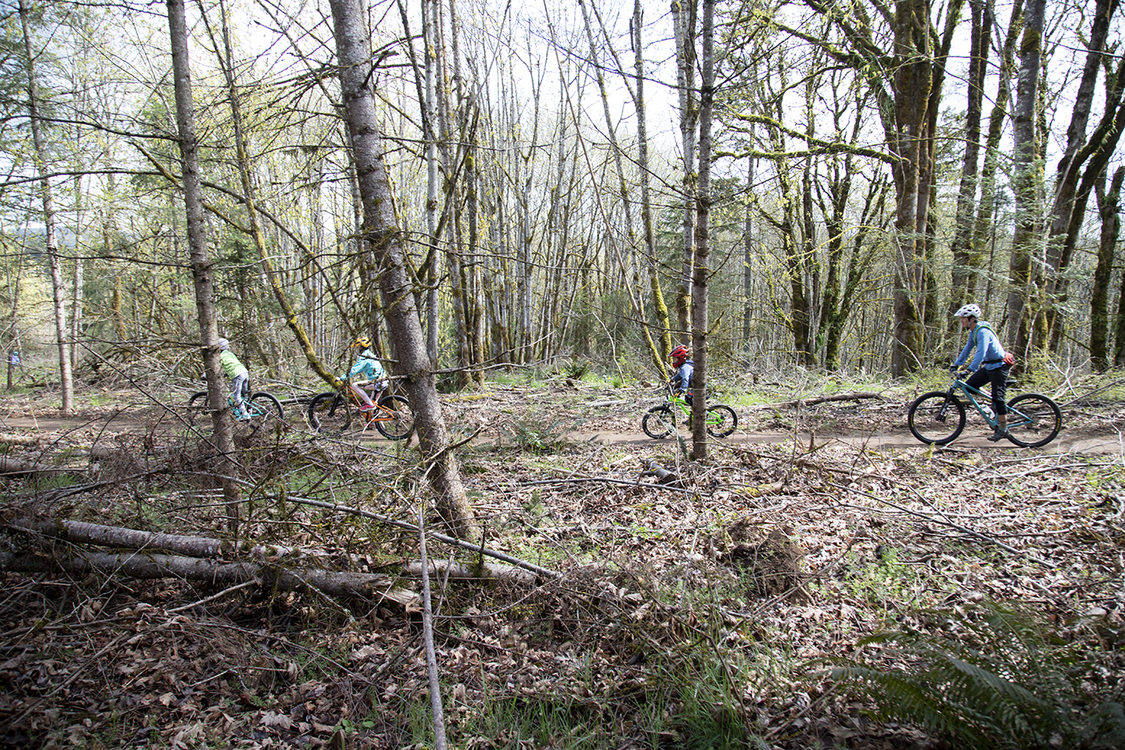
x=1080, y=440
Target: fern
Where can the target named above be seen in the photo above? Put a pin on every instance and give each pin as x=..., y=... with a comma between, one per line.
x=994, y=678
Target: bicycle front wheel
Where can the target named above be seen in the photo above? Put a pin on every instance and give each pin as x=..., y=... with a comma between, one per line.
x=936, y=418
x=658, y=422
x=265, y=411
x=721, y=420
x=329, y=412
x=394, y=418
x=1033, y=420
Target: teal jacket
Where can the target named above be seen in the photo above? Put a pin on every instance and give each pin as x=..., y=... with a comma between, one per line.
x=367, y=365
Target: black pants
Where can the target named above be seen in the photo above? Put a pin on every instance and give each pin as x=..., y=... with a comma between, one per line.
x=999, y=380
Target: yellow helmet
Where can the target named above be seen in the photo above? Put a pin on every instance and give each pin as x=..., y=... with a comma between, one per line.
x=362, y=342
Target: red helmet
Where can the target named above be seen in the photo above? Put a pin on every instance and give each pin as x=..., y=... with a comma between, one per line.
x=679, y=354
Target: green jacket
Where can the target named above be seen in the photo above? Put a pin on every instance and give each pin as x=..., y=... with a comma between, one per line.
x=231, y=366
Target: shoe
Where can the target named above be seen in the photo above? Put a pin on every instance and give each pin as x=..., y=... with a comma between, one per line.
x=998, y=435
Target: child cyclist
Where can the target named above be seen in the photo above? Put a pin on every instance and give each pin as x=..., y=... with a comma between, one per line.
x=990, y=363
x=681, y=378
x=240, y=378
x=366, y=367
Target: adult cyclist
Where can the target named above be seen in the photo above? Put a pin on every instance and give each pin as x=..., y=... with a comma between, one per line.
x=990, y=364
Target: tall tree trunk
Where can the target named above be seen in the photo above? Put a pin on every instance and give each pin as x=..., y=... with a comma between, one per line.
x=14, y=328
x=748, y=247
x=700, y=268
x=58, y=292
x=966, y=256
x=683, y=22
x=1067, y=202
x=1109, y=207
x=200, y=262
x=984, y=226
x=385, y=240
x=1027, y=183
x=913, y=80
x=76, y=288
x=652, y=262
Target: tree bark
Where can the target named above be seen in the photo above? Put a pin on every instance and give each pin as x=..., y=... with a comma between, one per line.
x=58, y=292
x=1109, y=208
x=1027, y=185
x=385, y=240
x=700, y=267
x=652, y=262
x=912, y=82
x=149, y=566
x=966, y=256
x=683, y=21
x=201, y=270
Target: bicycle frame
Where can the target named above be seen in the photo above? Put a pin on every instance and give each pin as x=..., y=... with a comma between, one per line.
x=971, y=393
x=675, y=399
x=379, y=414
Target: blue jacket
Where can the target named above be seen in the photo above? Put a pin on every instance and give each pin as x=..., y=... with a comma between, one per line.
x=989, y=354
x=681, y=379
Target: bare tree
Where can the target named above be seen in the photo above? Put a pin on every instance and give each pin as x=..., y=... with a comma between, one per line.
x=201, y=269
x=1109, y=207
x=700, y=268
x=384, y=238
x=58, y=291
x=1027, y=184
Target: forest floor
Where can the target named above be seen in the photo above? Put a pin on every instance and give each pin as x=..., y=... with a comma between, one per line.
x=725, y=606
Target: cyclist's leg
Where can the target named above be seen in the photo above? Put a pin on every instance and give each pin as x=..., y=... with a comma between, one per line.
x=366, y=404
x=999, y=378
x=239, y=389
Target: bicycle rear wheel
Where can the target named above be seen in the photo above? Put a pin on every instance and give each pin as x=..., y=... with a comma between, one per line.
x=721, y=420
x=329, y=413
x=936, y=418
x=265, y=411
x=1033, y=420
x=394, y=418
x=658, y=422
x=197, y=409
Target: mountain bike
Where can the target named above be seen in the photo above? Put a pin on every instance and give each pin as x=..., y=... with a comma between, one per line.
x=332, y=412
x=659, y=421
x=939, y=416
x=262, y=410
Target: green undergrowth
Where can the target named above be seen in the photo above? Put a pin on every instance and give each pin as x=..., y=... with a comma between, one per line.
x=990, y=677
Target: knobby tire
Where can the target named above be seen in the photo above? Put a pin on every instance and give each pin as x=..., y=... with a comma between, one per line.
x=400, y=427
x=936, y=418
x=1045, y=420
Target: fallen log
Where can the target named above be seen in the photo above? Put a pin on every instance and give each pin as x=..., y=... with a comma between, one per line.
x=81, y=532
x=149, y=566
x=15, y=467
x=8, y=438
x=852, y=396
x=482, y=572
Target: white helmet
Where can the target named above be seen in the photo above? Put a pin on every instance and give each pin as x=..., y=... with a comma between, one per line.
x=223, y=345
x=968, y=311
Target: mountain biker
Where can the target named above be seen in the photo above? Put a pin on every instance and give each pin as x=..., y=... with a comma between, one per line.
x=240, y=378
x=366, y=367
x=681, y=378
x=990, y=363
